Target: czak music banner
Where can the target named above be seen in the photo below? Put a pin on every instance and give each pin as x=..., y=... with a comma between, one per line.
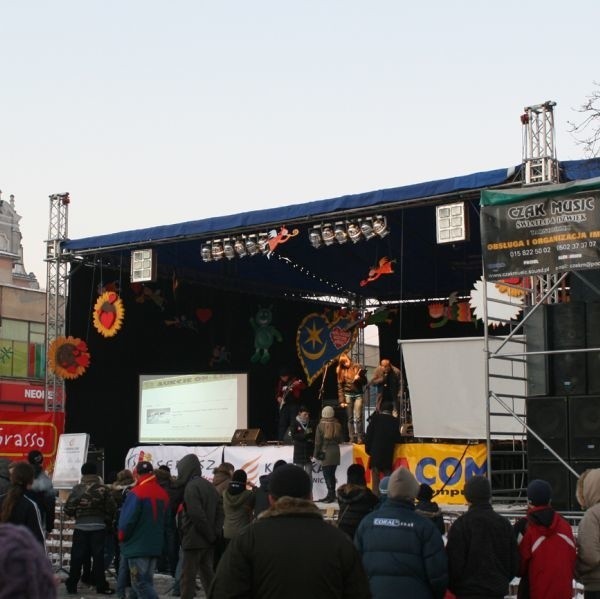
x=552, y=230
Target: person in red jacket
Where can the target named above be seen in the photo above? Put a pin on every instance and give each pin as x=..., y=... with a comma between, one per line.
x=546, y=548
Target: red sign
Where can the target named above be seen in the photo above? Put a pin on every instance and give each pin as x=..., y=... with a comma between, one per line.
x=22, y=432
x=22, y=392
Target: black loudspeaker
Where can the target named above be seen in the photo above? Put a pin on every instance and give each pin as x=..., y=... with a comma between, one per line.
x=536, y=334
x=96, y=456
x=592, y=318
x=584, y=427
x=559, y=478
x=567, y=331
x=547, y=416
x=247, y=436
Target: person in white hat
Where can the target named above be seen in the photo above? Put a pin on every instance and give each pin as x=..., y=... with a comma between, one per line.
x=328, y=437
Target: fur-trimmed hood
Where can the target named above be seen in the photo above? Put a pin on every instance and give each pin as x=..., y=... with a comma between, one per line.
x=291, y=506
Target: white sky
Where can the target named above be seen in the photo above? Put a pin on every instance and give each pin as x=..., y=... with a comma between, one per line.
x=153, y=112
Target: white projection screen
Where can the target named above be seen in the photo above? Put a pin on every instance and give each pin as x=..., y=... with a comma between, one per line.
x=446, y=379
x=192, y=408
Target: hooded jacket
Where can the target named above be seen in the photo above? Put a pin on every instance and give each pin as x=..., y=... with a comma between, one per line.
x=290, y=534
x=587, y=567
x=238, y=511
x=202, y=515
x=547, y=551
x=355, y=502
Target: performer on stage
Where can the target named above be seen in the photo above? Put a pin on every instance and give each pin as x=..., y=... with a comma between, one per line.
x=351, y=379
x=389, y=383
x=289, y=390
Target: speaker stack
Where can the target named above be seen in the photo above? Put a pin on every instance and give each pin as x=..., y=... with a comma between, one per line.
x=563, y=403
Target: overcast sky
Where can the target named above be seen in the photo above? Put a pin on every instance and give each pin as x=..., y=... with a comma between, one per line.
x=153, y=112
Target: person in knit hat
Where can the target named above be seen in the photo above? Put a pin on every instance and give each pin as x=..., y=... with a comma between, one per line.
x=482, y=549
x=262, y=560
x=328, y=437
x=25, y=570
x=402, y=552
x=238, y=504
x=261, y=502
x=587, y=565
x=546, y=568
x=428, y=508
x=355, y=499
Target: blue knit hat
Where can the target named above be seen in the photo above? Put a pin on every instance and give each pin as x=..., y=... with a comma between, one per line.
x=539, y=492
x=383, y=485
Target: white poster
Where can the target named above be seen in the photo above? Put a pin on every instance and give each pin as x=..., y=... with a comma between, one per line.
x=70, y=456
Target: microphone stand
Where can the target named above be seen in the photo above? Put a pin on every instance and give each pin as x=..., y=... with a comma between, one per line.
x=322, y=388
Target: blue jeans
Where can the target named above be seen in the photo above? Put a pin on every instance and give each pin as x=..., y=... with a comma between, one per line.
x=142, y=576
x=123, y=579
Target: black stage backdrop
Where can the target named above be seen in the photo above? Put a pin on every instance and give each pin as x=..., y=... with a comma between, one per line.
x=173, y=326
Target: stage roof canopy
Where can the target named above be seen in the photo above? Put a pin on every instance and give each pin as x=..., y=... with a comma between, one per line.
x=422, y=268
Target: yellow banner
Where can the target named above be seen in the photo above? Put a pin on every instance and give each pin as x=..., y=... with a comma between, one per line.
x=444, y=466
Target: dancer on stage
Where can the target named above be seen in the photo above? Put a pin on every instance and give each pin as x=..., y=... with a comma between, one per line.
x=351, y=380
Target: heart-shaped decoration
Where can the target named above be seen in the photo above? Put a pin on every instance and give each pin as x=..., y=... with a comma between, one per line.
x=108, y=319
x=203, y=314
x=320, y=339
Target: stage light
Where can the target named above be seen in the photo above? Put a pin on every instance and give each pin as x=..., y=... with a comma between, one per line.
x=451, y=223
x=315, y=237
x=217, y=249
x=143, y=266
x=206, y=253
x=340, y=232
x=327, y=234
x=354, y=232
x=240, y=248
x=228, y=249
x=380, y=226
x=251, y=245
x=263, y=242
x=366, y=228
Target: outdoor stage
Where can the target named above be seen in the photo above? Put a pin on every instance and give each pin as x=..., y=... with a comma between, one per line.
x=431, y=463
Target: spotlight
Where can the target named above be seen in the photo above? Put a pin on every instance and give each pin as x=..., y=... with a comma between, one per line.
x=206, y=253
x=240, y=248
x=340, y=232
x=354, y=232
x=228, y=249
x=366, y=228
x=380, y=226
x=327, y=234
x=217, y=249
x=251, y=245
x=263, y=242
x=315, y=237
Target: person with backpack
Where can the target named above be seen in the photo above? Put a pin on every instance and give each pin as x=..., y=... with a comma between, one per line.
x=546, y=548
x=91, y=503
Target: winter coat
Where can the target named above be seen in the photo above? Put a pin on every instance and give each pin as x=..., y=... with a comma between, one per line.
x=389, y=385
x=587, y=565
x=4, y=475
x=482, y=554
x=431, y=510
x=238, y=511
x=329, y=447
x=201, y=520
x=91, y=503
x=44, y=494
x=26, y=513
x=403, y=553
x=142, y=519
x=349, y=383
x=380, y=440
x=304, y=442
x=355, y=502
x=291, y=552
x=221, y=480
x=547, y=551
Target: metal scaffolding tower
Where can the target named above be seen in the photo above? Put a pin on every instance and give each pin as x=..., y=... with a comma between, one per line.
x=56, y=294
x=539, y=152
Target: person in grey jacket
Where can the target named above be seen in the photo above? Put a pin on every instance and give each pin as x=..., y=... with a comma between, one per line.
x=327, y=449
x=201, y=521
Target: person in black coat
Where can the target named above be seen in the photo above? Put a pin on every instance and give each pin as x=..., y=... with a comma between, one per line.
x=355, y=499
x=382, y=435
x=429, y=509
x=261, y=500
x=483, y=556
x=303, y=437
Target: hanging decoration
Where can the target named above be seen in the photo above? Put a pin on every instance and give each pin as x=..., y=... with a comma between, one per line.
x=109, y=313
x=220, y=357
x=384, y=267
x=68, y=357
x=143, y=294
x=264, y=335
x=322, y=337
x=274, y=239
x=507, y=307
x=457, y=310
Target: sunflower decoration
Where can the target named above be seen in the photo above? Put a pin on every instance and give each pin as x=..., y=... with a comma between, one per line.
x=68, y=357
x=108, y=314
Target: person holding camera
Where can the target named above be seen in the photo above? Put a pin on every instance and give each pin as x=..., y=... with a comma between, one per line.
x=351, y=380
x=327, y=449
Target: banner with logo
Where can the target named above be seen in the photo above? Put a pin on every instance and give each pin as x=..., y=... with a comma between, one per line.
x=22, y=432
x=539, y=231
x=444, y=466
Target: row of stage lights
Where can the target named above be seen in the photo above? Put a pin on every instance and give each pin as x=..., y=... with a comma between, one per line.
x=258, y=243
x=342, y=231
